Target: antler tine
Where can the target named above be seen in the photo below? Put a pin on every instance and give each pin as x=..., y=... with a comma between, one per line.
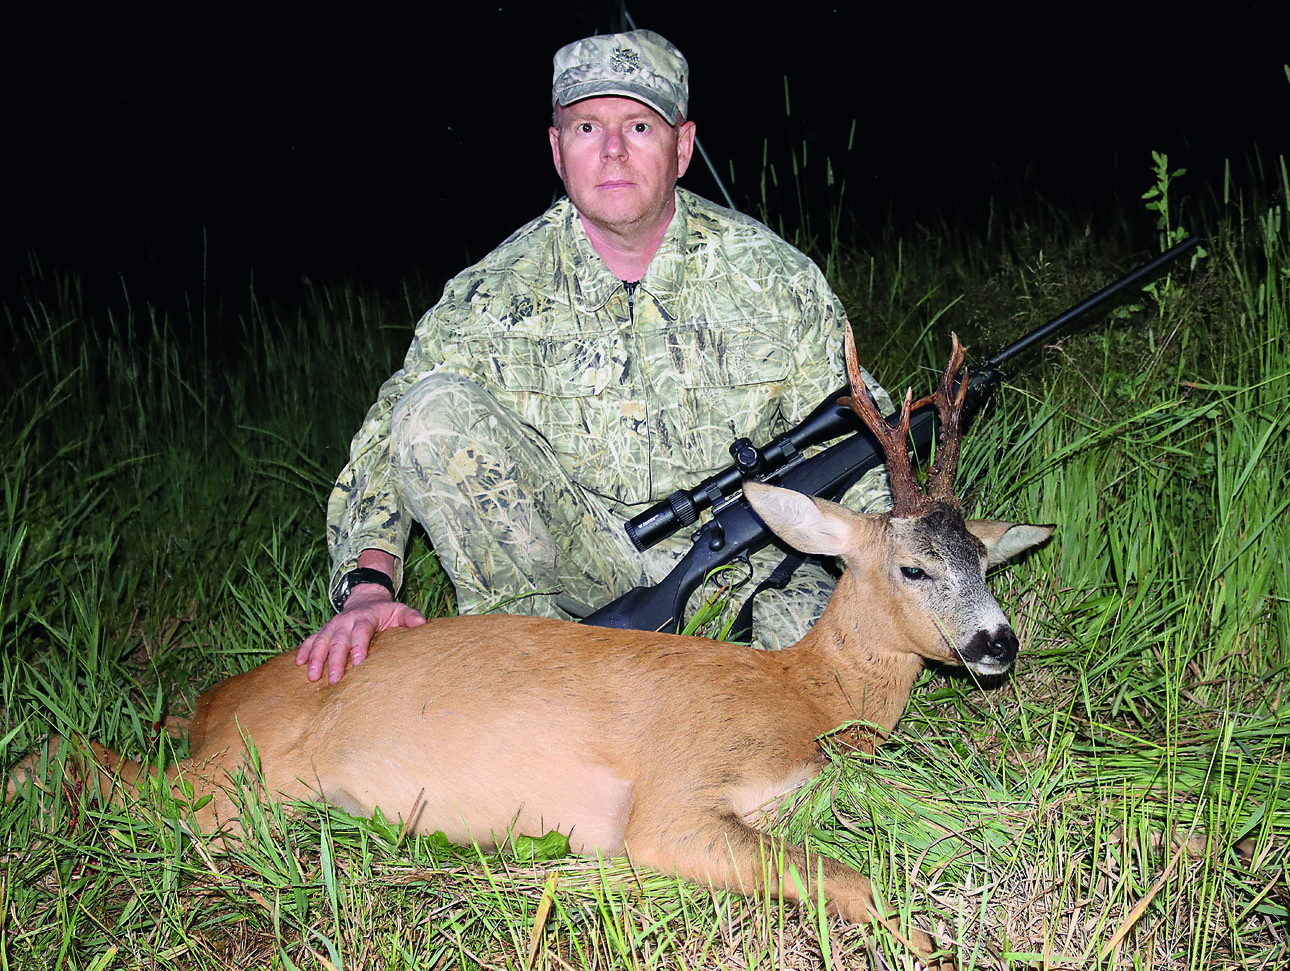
x=949, y=408
x=905, y=492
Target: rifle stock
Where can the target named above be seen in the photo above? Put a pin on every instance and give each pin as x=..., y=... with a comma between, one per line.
x=735, y=530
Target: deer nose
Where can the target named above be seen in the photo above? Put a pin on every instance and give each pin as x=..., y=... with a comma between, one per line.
x=998, y=648
x=1002, y=645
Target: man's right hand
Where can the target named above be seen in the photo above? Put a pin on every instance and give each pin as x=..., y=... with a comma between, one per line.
x=369, y=610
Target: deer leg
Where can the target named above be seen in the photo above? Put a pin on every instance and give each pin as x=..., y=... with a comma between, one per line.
x=108, y=775
x=85, y=763
x=728, y=852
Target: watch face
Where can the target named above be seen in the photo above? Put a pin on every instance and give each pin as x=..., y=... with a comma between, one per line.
x=342, y=592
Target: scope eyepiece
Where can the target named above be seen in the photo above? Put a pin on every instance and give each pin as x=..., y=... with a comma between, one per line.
x=662, y=520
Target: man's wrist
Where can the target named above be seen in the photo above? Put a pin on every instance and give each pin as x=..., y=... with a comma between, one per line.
x=360, y=577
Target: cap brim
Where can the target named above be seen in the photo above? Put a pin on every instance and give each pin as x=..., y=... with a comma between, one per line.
x=598, y=89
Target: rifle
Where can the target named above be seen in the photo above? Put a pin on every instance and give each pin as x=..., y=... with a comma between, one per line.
x=734, y=530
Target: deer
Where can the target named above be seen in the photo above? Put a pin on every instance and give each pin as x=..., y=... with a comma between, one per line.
x=670, y=750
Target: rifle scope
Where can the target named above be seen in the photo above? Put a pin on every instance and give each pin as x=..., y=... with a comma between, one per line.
x=681, y=508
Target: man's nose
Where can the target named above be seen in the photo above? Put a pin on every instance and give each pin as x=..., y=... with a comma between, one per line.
x=613, y=145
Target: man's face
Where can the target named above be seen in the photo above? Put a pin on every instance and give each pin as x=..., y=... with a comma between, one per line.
x=619, y=161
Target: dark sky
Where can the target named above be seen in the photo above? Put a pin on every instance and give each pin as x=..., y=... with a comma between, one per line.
x=370, y=144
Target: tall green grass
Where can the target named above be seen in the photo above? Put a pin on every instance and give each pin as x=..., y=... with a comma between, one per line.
x=1121, y=801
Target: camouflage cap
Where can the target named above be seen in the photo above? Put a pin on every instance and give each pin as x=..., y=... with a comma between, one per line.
x=639, y=64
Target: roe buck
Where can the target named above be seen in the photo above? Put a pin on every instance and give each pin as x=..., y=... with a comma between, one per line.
x=662, y=747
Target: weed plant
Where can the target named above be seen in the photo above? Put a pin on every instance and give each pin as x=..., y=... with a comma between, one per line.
x=1119, y=802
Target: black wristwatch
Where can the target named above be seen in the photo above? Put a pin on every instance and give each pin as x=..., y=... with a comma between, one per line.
x=353, y=578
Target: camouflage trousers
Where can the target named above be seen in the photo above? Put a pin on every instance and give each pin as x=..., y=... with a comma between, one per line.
x=515, y=531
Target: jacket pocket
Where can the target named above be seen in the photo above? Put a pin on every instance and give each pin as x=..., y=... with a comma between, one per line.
x=728, y=357
x=550, y=366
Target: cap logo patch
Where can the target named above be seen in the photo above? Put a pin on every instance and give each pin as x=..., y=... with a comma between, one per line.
x=625, y=61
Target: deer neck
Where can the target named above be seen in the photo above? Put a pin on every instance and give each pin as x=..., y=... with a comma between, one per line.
x=857, y=674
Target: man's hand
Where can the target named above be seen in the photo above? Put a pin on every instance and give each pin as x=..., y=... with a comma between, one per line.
x=368, y=611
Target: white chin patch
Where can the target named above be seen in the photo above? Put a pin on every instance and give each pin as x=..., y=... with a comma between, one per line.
x=986, y=667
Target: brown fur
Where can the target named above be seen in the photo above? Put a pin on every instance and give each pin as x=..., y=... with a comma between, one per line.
x=662, y=747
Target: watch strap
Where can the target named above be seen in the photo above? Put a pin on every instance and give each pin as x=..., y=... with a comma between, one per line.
x=356, y=577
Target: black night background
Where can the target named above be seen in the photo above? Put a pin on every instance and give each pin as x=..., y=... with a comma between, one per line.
x=275, y=149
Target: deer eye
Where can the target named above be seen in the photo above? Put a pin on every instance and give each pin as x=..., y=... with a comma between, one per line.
x=913, y=573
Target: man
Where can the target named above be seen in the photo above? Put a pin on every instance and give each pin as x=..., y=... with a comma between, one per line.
x=602, y=357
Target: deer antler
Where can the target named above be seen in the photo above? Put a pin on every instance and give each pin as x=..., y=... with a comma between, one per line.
x=905, y=493
x=909, y=499
x=949, y=408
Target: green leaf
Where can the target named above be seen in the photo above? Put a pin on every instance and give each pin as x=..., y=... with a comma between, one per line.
x=552, y=846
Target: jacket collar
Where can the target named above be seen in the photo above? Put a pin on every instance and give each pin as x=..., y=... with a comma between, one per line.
x=663, y=279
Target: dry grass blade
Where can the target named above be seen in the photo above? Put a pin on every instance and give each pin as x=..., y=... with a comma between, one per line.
x=1139, y=908
x=539, y=919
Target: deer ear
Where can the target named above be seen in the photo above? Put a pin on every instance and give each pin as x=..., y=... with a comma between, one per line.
x=1003, y=541
x=811, y=525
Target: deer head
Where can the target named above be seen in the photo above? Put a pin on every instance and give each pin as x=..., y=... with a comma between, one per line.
x=938, y=559
x=918, y=571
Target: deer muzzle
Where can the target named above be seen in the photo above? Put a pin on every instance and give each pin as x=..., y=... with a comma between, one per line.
x=990, y=652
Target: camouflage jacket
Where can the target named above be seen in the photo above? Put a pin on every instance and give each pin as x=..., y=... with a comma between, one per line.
x=639, y=390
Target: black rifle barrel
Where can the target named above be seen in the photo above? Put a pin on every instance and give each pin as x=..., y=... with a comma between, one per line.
x=830, y=420
x=1143, y=272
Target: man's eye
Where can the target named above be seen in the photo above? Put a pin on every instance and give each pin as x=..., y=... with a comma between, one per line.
x=585, y=128
x=640, y=127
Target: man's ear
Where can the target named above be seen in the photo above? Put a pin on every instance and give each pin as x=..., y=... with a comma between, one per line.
x=684, y=147
x=554, y=134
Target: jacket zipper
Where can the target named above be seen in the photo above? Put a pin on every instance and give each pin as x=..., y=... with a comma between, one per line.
x=630, y=287
x=631, y=299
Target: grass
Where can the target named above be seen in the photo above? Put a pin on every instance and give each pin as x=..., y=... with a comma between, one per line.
x=1120, y=802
